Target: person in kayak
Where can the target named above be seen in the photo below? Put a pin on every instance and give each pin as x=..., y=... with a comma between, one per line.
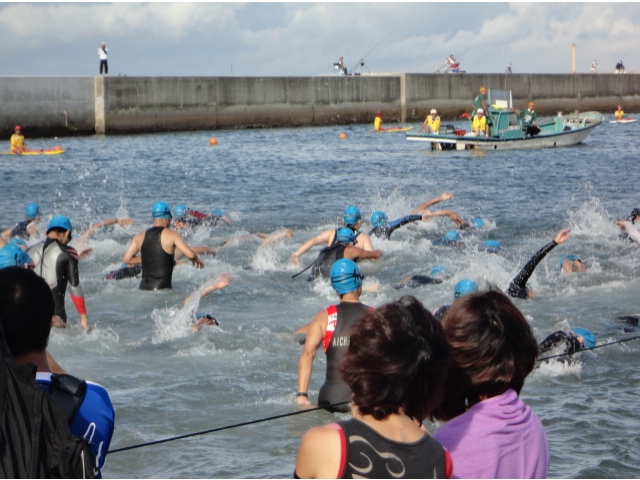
x=28, y=227
x=352, y=219
x=619, y=113
x=157, y=247
x=377, y=122
x=17, y=141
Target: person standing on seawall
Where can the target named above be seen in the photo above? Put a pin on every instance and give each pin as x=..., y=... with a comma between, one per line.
x=102, y=55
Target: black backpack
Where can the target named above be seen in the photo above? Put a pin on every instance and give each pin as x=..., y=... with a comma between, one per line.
x=35, y=440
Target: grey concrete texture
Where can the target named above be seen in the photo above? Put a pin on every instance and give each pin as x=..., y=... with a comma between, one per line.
x=59, y=106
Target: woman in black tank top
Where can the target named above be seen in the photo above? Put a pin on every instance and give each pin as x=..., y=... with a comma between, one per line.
x=395, y=365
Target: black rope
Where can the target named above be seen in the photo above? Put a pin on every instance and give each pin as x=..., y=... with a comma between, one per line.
x=624, y=340
x=219, y=429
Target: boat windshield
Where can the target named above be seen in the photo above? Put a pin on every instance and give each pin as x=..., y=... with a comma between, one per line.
x=500, y=99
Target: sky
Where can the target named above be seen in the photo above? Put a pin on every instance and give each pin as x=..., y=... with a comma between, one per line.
x=306, y=39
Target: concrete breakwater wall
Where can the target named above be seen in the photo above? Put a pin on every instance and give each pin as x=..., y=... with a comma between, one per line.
x=60, y=106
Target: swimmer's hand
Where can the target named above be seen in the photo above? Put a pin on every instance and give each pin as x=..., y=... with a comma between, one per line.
x=84, y=253
x=84, y=322
x=303, y=401
x=446, y=196
x=562, y=236
x=621, y=224
x=197, y=262
x=222, y=281
x=56, y=321
x=294, y=259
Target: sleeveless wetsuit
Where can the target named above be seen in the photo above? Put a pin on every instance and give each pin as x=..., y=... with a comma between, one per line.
x=126, y=271
x=326, y=258
x=518, y=286
x=20, y=230
x=560, y=342
x=418, y=281
x=157, y=265
x=385, y=231
x=343, y=316
x=367, y=454
x=58, y=265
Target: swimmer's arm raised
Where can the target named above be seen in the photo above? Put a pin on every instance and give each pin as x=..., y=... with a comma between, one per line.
x=433, y=201
x=324, y=237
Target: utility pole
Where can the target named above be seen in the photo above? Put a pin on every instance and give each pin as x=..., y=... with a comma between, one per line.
x=573, y=58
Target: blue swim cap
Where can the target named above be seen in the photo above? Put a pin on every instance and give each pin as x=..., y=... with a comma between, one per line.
x=161, y=210
x=570, y=257
x=32, y=210
x=351, y=215
x=180, y=211
x=217, y=212
x=60, y=221
x=477, y=222
x=18, y=242
x=491, y=246
x=589, y=338
x=437, y=269
x=463, y=287
x=345, y=235
x=452, y=236
x=345, y=276
x=13, y=256
x=378, y=219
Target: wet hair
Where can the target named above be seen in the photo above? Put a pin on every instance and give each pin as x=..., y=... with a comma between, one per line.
x=493, y=349
x=26, y=308
x=397, y=358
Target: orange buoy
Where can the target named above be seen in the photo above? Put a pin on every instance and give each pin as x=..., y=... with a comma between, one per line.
x=342, y=136
x=213, y=141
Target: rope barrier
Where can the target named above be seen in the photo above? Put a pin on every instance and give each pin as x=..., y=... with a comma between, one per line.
x=308, y=410
x=219, y=429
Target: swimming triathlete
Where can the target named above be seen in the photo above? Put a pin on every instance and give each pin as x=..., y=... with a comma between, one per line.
x=344, y=247
x=628, y=227
x=450, y=239
x=567, y=342
x=27, y=228
x=330, y=327
x=157, y=247
x=463, y=287
x=200, y=320
x=571, y=263
x=518, y=287
x=57, y=263
x=186, y=217
x=352, y=219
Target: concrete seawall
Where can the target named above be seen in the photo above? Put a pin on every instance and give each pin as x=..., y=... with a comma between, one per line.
x=62, y=106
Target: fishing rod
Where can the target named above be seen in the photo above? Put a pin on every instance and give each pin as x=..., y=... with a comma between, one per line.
x=219, y=429
x=362, y=57
x=308, y=410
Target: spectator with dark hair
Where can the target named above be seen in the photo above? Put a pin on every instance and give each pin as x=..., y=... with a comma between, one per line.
x=395, y=366
x=26, y=308
x=490, y=432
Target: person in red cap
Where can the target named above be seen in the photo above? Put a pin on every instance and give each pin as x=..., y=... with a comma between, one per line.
x=17, y=141
x=377, y=123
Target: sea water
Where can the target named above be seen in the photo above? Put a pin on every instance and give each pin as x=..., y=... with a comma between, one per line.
x=166, y=381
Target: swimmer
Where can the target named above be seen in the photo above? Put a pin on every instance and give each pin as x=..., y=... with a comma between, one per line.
x=331, y=329
x=383, y=228
x=491, y=246
x=27, y=228
x=571, y=264
x=11, y=255
x=186, y=217
x=415, y=281
x=628, y=228
x=518, y=287
x=157, y=247
x=352, y=219
x=461, y=223
x=567, y=342
x=451, y=239
x=123, y=222
x=462, y=288
x=200, y=320
x=344, y=247
x=57, y=262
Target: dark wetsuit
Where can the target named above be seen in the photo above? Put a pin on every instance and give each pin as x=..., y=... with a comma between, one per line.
x=326, y=258
x=126, y=271
x=20, y=230
x=58, y=265
x=368, y=454
x=560, y=342
x=417, y=281
x=518, y=286
x=157, y=265
x=385, y=231
x=334, y=389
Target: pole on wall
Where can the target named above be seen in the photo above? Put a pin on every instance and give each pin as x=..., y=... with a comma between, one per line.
x=573, y=58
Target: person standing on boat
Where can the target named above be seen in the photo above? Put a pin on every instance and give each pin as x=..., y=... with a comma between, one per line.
x=431, y=124
x=102, y=55
x=619, y=113
x=17, y=141
x=157, y=247
x=331, y=329
x=480, y=102
x=479, y=124
x=530, y=120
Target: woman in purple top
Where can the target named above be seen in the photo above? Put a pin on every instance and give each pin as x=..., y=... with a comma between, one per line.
x=490, y=432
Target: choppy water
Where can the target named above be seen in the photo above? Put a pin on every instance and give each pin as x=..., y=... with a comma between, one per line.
x=165, y=380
